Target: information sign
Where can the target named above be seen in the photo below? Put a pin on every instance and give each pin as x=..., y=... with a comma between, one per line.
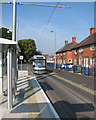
x=21, y=57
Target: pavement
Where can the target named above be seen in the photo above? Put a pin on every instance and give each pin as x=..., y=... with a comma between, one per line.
x=31, y=102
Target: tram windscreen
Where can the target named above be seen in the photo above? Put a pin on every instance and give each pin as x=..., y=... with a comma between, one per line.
x=39, y=63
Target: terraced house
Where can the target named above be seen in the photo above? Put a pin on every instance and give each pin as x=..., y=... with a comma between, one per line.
x=64, y=55
x=83, y=53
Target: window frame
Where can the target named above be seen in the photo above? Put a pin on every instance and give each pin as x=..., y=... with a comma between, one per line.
x=75, y=51
x=92, y=47
x=80, y=50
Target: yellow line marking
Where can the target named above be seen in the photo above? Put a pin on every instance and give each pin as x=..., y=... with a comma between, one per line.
x=77, y=85
x=33, y=108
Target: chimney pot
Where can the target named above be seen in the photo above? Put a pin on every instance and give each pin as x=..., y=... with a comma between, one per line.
x=73, y=39
x=66, y=42
x=92, y=31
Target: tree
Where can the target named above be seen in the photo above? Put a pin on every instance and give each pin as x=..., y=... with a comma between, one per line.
x=28, y=48
x=5, y=33
x=38, y=53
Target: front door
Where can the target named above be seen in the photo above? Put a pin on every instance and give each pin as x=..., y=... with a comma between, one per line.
x=85, y=62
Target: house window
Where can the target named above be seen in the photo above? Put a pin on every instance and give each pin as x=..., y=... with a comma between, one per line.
x=80, y=61
x=75, y=61
x=80, y=50
x=70, y=60
x=92, y=61
x=75, y=51
x=92, y=47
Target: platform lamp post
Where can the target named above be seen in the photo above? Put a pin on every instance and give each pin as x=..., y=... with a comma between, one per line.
x=55, y=50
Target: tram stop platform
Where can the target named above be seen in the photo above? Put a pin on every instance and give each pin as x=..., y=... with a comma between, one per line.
x=31, y=101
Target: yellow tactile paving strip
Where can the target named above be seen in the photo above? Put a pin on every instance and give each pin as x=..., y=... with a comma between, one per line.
x=33, y=106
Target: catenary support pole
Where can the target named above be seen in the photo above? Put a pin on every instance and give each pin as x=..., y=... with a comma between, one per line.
x=14, y=21
x=9, y=76
x=14, y=53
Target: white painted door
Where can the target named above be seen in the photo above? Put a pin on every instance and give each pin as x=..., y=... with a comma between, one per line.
x=85, y=62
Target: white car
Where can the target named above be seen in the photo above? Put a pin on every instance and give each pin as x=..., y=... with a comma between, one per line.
x=70, y=65
x=63, y=66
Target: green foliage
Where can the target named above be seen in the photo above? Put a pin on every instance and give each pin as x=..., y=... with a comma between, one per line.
x=38, y=53
x=5, y=33
x=28, y=48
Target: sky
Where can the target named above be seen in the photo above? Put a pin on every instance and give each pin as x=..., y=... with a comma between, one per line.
x=35, y=22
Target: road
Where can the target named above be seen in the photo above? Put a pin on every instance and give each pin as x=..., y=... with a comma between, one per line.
x=70, y=100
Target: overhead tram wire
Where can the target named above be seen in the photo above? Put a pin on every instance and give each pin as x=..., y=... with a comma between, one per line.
x=44, y=5
x=48, y=21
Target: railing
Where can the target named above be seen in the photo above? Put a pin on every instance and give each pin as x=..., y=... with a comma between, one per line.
x=89, y=71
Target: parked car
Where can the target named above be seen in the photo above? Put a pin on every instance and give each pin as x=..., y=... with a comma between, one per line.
x=63, y=66
x=69, y=65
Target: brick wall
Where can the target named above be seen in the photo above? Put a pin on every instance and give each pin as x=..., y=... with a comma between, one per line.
x=87, y=53
x=64, y=56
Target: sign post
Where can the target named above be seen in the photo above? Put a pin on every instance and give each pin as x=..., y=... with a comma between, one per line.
x=21, y=58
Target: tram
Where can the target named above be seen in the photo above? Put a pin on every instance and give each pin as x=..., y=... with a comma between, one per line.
x=39, y=64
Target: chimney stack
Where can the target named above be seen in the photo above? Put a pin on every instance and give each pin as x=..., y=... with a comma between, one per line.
x=66, y=42
x=73, y=39
x=92, y=30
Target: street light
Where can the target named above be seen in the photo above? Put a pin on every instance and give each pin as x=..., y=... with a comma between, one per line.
x=55, y=50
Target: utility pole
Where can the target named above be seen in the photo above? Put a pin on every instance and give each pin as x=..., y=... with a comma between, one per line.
x=14, y=70
x=14, y=21
x=17, y=32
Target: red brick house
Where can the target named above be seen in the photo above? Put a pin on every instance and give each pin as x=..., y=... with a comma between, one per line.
x=85, y=52
x=64, y=55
